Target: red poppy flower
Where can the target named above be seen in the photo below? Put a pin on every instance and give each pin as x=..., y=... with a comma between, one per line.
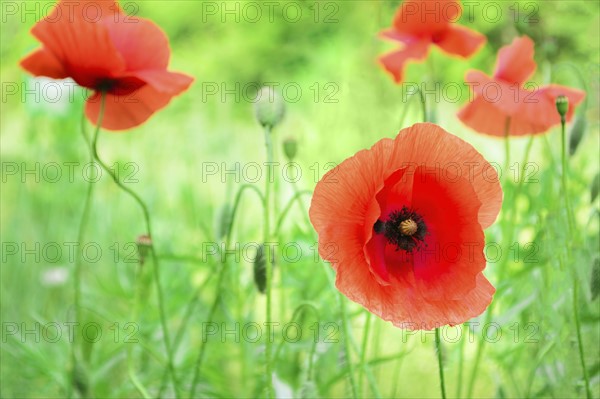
x=104, y=50
x=420, y=24
x=503, y=98
x=402, y=226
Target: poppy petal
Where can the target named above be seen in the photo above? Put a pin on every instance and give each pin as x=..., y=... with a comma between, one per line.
x=171, y=83
x=403, y=306
x=395, y=61
x=447, y=267
x=534, y=111
x=43, y=63
x=460, y=41
x=426, y=17
x=141, y=43
x=515, y=62
x=124, y=112
x=84, y=49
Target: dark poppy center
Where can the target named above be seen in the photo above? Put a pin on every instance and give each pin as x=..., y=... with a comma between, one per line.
x=405, y=229
x=106, y=85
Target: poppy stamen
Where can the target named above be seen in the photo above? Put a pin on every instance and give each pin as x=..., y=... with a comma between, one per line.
x=405, y=229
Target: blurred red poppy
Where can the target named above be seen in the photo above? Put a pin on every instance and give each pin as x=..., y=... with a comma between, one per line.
x=402, y=225
x=101, y=48
x=504, y=101
x=418, y=24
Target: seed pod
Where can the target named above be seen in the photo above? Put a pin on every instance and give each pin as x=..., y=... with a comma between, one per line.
x=269, y=107
x=562, y=105
x=577, y=132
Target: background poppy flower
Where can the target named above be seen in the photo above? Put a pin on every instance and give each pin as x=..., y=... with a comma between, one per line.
x=420, y=24
x=104, y=50
x=503, y=96
x=402, y=225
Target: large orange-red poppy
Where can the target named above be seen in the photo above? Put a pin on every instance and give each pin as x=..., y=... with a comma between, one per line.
x=101, y=48
x=402, y=225
x=418, y=25
x=504, y=100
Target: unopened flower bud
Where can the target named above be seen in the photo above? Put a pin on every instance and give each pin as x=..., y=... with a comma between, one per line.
x=290, y=148
x=269, y=107
x=562, y=106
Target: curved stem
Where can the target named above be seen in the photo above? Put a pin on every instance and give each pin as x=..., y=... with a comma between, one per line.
x=287, y=208
x=438, y=349
x=155, y=263
x=221, y=278
x=300, y=308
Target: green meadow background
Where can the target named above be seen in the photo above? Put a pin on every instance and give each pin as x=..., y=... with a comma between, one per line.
x=322, y=58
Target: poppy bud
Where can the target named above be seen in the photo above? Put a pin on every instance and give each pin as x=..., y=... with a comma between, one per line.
x=144, y=243
x=269, y=107
x=260, y=268
x=562, y=106
x=290, y=148
x=577, y=133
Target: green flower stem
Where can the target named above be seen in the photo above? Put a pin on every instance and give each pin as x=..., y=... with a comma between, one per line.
x=461, y=361
x=508, y=232
x=363, y=352
x=134, y=316
x=564, y=179
x=269, y=265
x=221, y=278
x=155, y=263
x=85, y=216
x=438, y=348
x=423, y=105
x=571, y=226
x=346, y=329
